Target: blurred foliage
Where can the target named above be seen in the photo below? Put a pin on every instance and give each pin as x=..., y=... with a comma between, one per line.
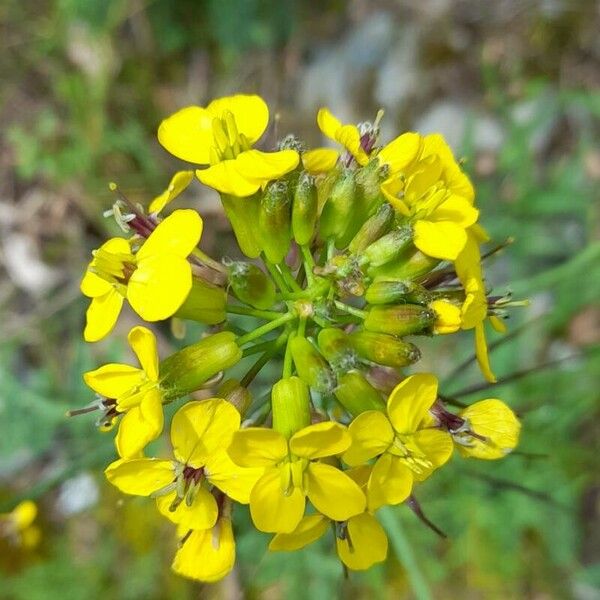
x=86, y=82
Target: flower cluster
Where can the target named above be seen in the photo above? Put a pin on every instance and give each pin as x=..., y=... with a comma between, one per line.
x=348, y=251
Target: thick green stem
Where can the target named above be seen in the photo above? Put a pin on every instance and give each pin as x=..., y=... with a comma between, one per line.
x=269, y=315
x=289, y=278
x=263, y=329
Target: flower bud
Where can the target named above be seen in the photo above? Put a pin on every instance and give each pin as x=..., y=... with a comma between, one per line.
x=412, y=265
x=388, y=291
x=243, y=216
x=337, y=211
x=312, y=367
x=373, y=228
x=403, y=319
x=186, y=370
x=357, y=395
x=251, y=285
x=274, y=217
x=290, y=403
x=384, y=349
x=389, y=247
x=305, y=209
x=205, y=303
x=335, y=346
x=236, y=394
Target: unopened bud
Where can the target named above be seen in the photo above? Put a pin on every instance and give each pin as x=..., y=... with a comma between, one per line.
x=251, y=285
x=357, y=395
x=335, y=346
x=205, y=303
x=403, y=319
x=186, y=370
x=389, y=291
x=235, y=393
x=389, y=247
x=290, y=403
x=373, y=228
x=304, y=209
x=384, y=349
x=274, y=219
x=312, y=367
x=243, y=216
x=337, y=212
x=412, y=265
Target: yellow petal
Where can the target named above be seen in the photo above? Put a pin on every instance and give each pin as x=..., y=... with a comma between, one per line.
x=327, y=123
x=498, y=324
x=143, y=343
x=441, y=239
x=93, y=286
x=481, y=351
x=391, y=482
x=140, y=476
x=365, y=543
x=113, y=380
x=202, y=514
x=448, y=317
x=177, y=235
x=371, y=434
x=237, y=482
x=437, y=447
x=457, y=210
x=226, y=178
x=159, y=286
x=320, y=160
x=140, y=425
x=101, y=315
x=393, y=189
x=250, y=111
x=207, y=555
x=319, y=440
x=309, y=530
x=188, y=134
x=30, y=537
x=177, y=185
x=24, y=514
x=273, y=509
x=200, y=429
x=400, y=152
x=494, y=420
x=266, y=166
x=257, y=447
x=332, y=492
x=349, y=137
x=410, y=401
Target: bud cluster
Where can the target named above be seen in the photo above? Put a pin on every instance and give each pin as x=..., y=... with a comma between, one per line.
x=349, y=250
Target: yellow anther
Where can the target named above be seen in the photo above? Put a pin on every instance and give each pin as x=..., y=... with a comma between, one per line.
x=232, y=131
x=220, y=136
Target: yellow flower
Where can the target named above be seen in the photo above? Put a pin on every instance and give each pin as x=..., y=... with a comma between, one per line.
x=321, y=160
x=427, y=186
x=179, y=182
x=292, y=473
x=206, y=554
x=361, y=541
x=491, y=430
x=448, y=317
x=221, y=135
x=200, y=432
x=404, y=439
x=155, y=280
x=131, y=392
x=17, y=525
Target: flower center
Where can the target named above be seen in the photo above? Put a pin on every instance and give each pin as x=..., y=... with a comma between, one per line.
x=114, y=267
x=412, y=456
x=228, y=142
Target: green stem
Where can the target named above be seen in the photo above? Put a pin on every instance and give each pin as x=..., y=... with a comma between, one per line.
x=330, y=248
x=309, y=264
x=277, y=277
x=287, y=359
x=361, y=314
x=263, y=360
x=404, y=553
x=269, y=315
x=211, y=262
x=260, y=331
x=289, y=277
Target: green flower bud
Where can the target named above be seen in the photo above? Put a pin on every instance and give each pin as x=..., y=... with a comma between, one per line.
x=389, y=247
x=412, y=265
x=402, y=319
x=290, y=403
x=337, y=212
x=274, y=217
x=305, y=209
x=251, y=285
x=205, y=303
x=373, y=228
x=357, y=395
x=388, y=291
x=243, y=216
x=236, y=394
x=384, y=349
x=312, y=367
x=335, y=346
x=186, y=370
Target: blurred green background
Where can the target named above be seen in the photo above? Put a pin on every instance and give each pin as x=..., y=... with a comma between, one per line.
x=515, y=87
